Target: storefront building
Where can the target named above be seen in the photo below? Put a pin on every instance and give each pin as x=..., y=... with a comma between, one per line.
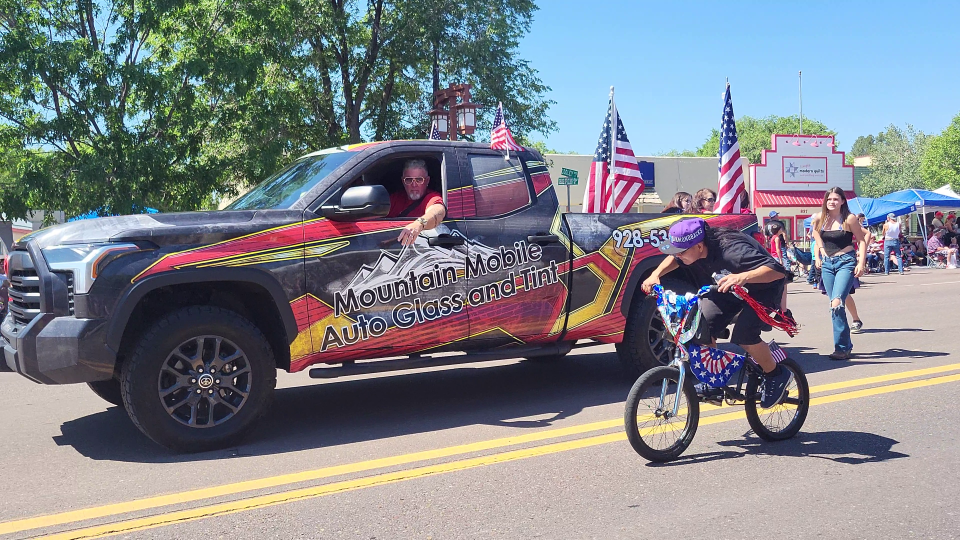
x=793, y=176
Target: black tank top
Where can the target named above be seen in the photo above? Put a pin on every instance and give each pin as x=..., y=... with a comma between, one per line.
x=836, y=241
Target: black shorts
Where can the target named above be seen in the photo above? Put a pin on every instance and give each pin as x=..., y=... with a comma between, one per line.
x=717, y=311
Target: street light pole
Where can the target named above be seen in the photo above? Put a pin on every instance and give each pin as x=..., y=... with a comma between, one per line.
x=453, y=116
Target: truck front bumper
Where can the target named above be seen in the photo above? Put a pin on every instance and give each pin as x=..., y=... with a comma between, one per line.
x=57, y=350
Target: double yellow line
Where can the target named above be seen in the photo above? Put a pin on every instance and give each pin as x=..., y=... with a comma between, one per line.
x=290, y=495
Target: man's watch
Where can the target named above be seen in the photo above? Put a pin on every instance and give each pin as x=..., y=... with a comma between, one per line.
x=422, y=222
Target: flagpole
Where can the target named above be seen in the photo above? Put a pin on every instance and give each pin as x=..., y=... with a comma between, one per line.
x=800, y=77
x=613, y=147
x=503, y=119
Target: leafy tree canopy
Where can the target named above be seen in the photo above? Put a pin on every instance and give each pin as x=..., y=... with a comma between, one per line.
x=754, y=134
x=941, y=162
x=896, y=161
x=116, y=106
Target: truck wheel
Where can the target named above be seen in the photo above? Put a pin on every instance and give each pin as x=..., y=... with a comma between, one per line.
x=199, y=379
x=109, y=391
x=646, y=343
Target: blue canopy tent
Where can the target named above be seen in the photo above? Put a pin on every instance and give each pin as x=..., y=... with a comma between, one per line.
x=924, y=200
x=876, y=210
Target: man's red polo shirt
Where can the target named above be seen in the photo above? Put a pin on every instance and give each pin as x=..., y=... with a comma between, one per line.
x=400, y=202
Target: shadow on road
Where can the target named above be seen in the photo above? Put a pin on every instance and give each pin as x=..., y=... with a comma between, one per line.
x=891, y=330
x=524, y=394
x=847, y=447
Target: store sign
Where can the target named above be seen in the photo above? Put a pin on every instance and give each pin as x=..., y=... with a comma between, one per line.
x=646, y=172
x=804, y=170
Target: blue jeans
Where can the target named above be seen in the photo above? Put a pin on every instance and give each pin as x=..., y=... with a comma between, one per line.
x=837, y=276
x=888, y=246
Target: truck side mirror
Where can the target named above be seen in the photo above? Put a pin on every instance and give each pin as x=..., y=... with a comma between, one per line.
x=359, y=202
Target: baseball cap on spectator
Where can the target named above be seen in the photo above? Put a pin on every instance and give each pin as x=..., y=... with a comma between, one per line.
x=774, y=213
x=683, y=235
x=890, y=215
x=938, y=214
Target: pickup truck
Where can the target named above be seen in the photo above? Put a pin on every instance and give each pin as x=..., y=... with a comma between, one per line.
x=184, y=318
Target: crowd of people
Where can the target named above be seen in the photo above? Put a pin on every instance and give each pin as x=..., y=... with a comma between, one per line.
x=842, y=249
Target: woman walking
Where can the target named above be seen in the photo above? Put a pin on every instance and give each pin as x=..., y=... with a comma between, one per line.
x=891, y=242
x=838, y=233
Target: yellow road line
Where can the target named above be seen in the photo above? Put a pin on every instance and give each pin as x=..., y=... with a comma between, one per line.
x=421, y=472
x=352, y=468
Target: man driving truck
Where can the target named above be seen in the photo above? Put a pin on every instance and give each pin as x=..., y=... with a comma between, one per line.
x=706, y=251
x=416, y=199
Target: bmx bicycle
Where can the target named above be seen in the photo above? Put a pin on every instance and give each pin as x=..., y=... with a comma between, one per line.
x=663, y=408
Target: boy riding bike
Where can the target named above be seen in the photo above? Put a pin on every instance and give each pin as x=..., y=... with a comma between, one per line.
x=706, y=251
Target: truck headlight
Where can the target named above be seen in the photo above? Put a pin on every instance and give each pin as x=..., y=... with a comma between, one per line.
x=84, y=260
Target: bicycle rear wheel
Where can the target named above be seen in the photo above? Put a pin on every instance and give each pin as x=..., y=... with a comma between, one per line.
x=783, y=420
x=651, y=428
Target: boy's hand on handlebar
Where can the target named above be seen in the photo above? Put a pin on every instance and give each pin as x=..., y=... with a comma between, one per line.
x=725, y=283
x=647, y=285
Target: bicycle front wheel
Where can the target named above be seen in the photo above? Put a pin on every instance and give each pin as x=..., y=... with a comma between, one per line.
x=652, y=429
x=783, y=420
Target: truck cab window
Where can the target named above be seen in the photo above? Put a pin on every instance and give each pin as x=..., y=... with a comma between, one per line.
x=499, y=186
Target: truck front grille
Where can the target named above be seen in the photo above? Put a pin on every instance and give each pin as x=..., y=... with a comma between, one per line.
x=24, y=292
x=67, y=278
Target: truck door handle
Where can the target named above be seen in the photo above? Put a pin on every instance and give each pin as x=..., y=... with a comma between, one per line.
x=445, y=240
x=543, y=239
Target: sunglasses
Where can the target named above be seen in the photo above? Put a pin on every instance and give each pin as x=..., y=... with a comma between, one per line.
x=711, y=199
x=414, y=180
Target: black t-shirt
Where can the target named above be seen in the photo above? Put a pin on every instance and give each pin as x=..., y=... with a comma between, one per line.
x=733, y=251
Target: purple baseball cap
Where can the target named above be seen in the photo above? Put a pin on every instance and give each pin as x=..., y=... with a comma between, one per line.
x=683, y=235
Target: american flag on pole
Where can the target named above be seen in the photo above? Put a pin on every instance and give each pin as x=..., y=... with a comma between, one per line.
x=615, y=182
x=731, y=169
x=434, y=132
x=500, y=138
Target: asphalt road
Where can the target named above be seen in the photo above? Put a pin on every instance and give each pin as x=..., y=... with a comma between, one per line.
x=518, y=449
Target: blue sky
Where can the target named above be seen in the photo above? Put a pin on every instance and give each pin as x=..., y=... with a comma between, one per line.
x=865, y=65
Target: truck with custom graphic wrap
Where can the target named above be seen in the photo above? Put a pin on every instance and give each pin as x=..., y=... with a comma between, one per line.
x=184, y=319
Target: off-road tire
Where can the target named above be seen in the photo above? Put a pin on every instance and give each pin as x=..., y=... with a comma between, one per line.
x=140, y=378
x=109, y=391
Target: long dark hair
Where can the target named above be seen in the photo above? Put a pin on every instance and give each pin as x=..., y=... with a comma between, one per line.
x=677, y=201
x=844, y=209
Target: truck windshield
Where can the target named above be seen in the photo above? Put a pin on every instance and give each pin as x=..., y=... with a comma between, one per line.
x=285, y=188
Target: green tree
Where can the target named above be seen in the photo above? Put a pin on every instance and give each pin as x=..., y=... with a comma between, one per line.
x=754, y=134
x=941, y=162
x=896, y=158
x=107, y=107
x=863, y=145
x=116, y=106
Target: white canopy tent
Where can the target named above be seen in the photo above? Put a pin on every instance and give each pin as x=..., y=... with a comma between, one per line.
x=947, y=190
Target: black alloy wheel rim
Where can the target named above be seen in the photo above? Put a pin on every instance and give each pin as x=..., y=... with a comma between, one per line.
x=659, y=340
x=204, y=381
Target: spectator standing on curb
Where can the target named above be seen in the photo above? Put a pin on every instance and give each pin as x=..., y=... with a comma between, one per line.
x=777, y=248
x=682, y=203
x=704, y=201
x=891, y=242
x=951, y=225
x=838, y=234
x=856, y=325
x=937, y=222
